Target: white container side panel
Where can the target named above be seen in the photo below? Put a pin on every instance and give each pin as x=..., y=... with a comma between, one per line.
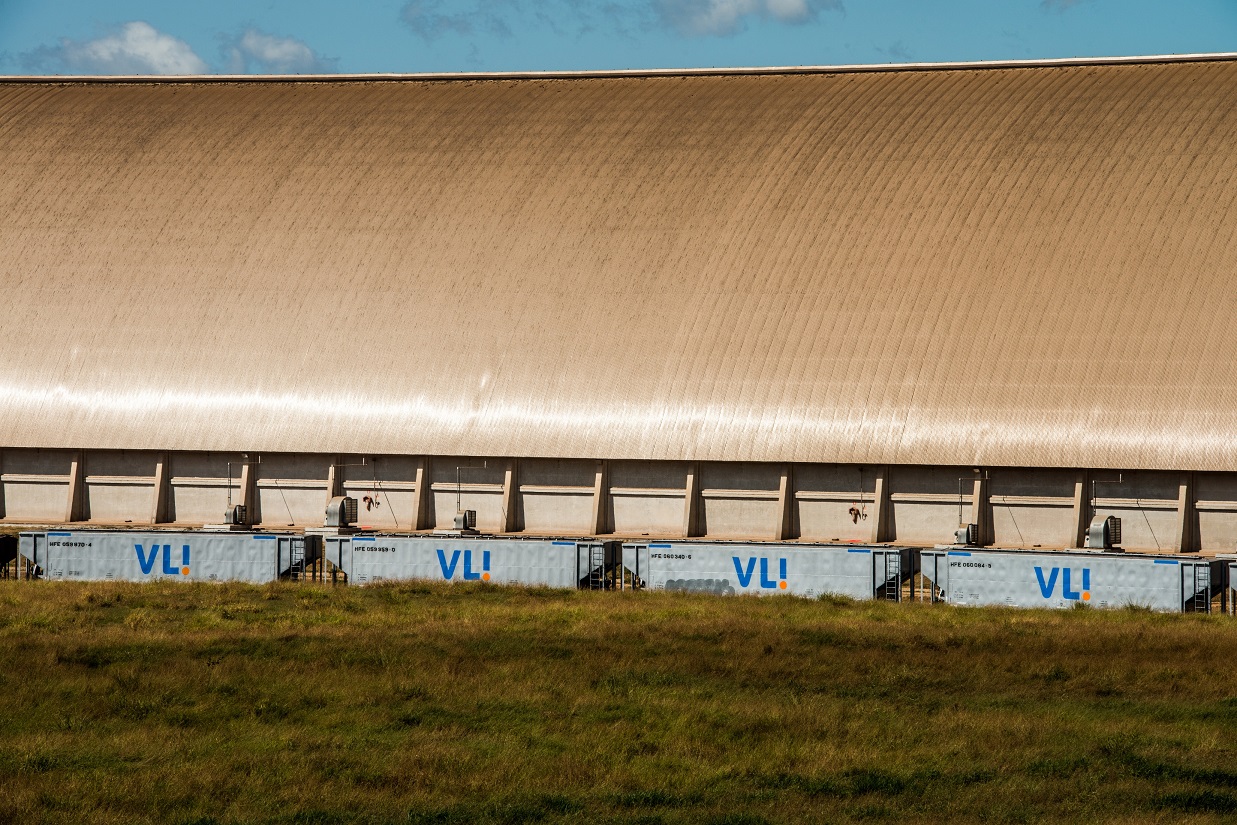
x=371, y=559
x=338, y=552
x=762, y=569
x=135, y=556
x=975, y=577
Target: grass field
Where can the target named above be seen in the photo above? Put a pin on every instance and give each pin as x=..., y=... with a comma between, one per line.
x=453, y=704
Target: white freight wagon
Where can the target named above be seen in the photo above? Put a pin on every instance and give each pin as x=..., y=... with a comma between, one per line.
x=768, y=569
x=130, y=555
x=1230, y=587
x=567, y=563
x=1021, y=578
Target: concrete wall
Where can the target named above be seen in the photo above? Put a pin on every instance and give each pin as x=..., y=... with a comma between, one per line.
x=925, y=503
x=201, y=486
x=1146, y=503
x=290, y=490
x=647, y=497
x=1016, y=507
x=118, y=486
x=1032, y=507
x=385, y=488
x=34, y=484
x=471, y=484
x=556, y=495
x=1214, y=516
x=825, y=495
x=739, y=499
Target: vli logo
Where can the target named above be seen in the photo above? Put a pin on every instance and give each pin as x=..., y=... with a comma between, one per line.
x=1048, y=585
x=745, y=573
x=147, y=561
x=448, y=568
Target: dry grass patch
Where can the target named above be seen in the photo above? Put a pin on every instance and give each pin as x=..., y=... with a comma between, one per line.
x=442, y=704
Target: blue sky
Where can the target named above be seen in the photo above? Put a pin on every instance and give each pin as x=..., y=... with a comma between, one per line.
x=300, y=36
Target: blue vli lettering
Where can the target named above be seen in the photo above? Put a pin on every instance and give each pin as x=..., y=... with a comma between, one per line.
x=147, y=561
x=772, y=584
x=1047, y=586
x=448, y=570
x=745, y=573
x=484, y=573
x=470, y=574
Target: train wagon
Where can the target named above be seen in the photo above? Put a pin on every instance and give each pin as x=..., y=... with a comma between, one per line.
x=860, y=572
x=566, y=563
x=1230, y=587
x=130, y=555
x=1022, y=578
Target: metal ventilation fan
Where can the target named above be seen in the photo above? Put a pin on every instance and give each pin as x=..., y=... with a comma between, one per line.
x=968, y=535
x=341, y=512
x=1104, y=533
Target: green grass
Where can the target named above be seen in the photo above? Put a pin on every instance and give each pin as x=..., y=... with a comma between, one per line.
x=454, y=704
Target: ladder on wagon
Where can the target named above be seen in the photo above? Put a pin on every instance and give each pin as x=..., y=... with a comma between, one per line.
x=292, y=558
x=889, y=588
x=597, y=566
x=1198, y=599
x=593, y=562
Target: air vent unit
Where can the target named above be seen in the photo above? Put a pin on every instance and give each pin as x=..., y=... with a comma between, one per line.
x=968, y=535
x=236, y=515
x=466, y=520
x=341, y=512
x=1104, y=533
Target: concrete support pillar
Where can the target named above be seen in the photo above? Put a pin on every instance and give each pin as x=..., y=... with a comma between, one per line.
x=601, y=499
x=421, y=497
x=784, y=529
x=1187, y=541
x=511, y=496
x=248, y=491
x=1082, y=509
x=163, y=489
x=880, y=507
x=334, y=479
x=981, y=513
x=692, y=501
x=75, y=504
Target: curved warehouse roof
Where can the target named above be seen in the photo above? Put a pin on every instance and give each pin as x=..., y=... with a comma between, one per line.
x=1019, y=265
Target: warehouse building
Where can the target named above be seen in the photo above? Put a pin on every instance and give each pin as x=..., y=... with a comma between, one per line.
x=862, y=304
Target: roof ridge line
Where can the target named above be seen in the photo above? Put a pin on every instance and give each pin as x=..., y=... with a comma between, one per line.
x=853, y=68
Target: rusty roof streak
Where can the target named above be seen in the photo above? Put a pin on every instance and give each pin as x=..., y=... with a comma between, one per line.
x=1025, y=264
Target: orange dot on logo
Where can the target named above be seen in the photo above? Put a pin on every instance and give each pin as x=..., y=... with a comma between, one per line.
x=782, y=585
x=1086, y=597
x=184, y=571
x=485, y=576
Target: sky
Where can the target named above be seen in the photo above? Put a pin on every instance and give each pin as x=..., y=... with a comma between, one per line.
x=362, y=36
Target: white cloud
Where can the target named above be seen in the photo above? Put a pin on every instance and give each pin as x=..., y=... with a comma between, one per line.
x=135, y=48
x=256, y=51
x=430, y=20
x=433, y=19
x=789, y=9
x=721, y=17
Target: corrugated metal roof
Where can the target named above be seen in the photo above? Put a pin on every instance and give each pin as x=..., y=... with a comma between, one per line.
x=1014, y=266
